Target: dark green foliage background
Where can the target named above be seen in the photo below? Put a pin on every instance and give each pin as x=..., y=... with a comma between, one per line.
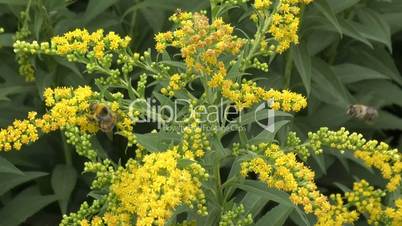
x=350, y=52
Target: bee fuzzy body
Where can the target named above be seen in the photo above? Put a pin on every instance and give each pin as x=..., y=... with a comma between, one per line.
x=104, y=116
x=362, y=112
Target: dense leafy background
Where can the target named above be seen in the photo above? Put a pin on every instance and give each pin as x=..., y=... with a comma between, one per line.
x=350, y=52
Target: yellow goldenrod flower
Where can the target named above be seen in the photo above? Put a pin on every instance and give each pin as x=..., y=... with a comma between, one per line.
x=285, y=23
x=248, y=93
x=197, y=39
x=68, y=108
x=262, y=4
x=375, y=154
x=152, y=190
x=96, y=47
x=21, y=132
x=282, y=171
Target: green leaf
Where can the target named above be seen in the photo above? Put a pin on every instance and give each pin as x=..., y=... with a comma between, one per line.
x=342, y=187
x=302, y=61
x=8, y=167
x=276, y=217
x=259, y=188
x=350, y=73
x=394, y=21
x=10, y=90
x=254, y=116
x=374, y=26
x=327, y=86
x=63, y=180
x=387, y=120
x=9, y=181
x=154, y=19
x=319, y=40
x=174, y=64
x=96, y=7
x=340, y=5
x=320, y=161
x=23, y=206
x=6, y=40
x=254, y=203
x=350, y=29
x=156, y=142
x=73, y=67
x=378, y=60
x=14, y=2
x=375, y=91
x=299, y=218
x=267, y=136
x=326, y=10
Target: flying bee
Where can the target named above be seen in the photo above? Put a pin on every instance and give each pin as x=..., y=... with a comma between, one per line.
x=178, y=11
x=362, y=112
x=105, y=117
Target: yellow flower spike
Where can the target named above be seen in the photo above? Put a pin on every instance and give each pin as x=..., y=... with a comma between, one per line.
x=285, y=22
x=282, y=171
x=248, y=93
x=152, y=190
x=196, y=38
x=373, y=153
x=262, y=4
x=68, y=107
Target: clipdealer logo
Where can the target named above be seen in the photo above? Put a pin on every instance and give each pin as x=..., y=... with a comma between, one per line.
x=223, y=114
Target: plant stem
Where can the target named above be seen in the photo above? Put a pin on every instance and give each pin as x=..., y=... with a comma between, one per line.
x=66, y=150
x=288, y=69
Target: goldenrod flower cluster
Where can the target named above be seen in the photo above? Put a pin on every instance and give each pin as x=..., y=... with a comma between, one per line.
x=21, y=132
x=78, y=218
x=96, y=49
x=69, y=110
x=152, y=190
x=177, y=82
x=247, y=94
x=282, y=171
x=294, y=143
x=236, y=216
x=195, y=141
x=231, y=2
x=365, y=200
x=339, y=214
x=81, y=141
x=68, y=107
x=82, y=42
x=201, y=43
x=285, y=22
x=125, y=123
x=104, y=173
x=395, y=214
x=262, y=4
x=147, y=191
x=375, y=154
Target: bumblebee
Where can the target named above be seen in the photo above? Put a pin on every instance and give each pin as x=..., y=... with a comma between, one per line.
x=362, y=112
x=104, y=116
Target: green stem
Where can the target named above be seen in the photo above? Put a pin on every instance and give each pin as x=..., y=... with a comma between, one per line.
x=66, y=150
x=288, y=69
x=219, y=192
x=214, y=10
x=332, y=52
